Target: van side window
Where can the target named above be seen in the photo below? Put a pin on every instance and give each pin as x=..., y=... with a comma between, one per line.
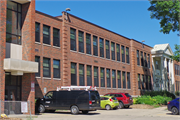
x=49, y=95
x=102, y=98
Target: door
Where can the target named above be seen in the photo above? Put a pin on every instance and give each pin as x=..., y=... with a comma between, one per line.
x=10, y=94
x=49, y=100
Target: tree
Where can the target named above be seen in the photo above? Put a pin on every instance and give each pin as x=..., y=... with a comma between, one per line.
x=168, y=12
x=176, y=53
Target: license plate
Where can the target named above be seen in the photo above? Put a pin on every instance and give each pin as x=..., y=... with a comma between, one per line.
x=116, y=102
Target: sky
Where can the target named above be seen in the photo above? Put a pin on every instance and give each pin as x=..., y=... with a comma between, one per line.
x=128, y=18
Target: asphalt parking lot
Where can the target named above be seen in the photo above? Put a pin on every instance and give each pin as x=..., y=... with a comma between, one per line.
x=124, y=114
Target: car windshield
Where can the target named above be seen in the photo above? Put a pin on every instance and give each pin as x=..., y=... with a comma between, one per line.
x=127, y=95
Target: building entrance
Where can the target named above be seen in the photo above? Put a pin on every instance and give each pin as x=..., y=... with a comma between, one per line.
x=13, y=87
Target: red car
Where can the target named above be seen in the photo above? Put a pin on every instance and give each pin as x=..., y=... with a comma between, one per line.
x=125, y=100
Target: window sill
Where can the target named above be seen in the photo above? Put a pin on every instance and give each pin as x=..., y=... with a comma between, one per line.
x=88, y=54
x=102, y=87
x=37, y=43
x=47, y=78
x=108, y=88
x=95, y=56
x=73, y=51
x=47, y=45
x=37, y=77
x=56, y=47
x=56, y=78
x=81, y=53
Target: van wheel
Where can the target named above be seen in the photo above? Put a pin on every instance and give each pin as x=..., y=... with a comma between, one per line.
x=121, y=105
x=74, y=110
x=174, y=111
x=41, y=108
x=85, y=111
x=108, y=107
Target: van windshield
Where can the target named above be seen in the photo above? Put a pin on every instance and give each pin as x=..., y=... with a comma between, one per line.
x=94, y=95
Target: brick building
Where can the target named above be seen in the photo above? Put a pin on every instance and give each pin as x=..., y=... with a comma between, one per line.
x=40, y=52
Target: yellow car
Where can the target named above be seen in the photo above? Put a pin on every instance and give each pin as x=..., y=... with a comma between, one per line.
x=109, y=102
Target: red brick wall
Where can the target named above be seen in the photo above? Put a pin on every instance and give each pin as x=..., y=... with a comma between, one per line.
x=2, y=47
x=48, y=51
x=28, y=50
x=176, y=77
x=79, y=58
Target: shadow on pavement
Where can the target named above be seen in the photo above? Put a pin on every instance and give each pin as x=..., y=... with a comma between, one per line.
x=80, y=113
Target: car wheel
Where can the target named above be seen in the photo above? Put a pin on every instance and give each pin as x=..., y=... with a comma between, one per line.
x=174, y=111
x=85, y=111
x=41, y=108
x=74, y=110
x=126, y=106
x=108, y=107
x=121, y=105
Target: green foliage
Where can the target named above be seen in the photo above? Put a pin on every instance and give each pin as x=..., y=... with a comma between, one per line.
x=155, y=101
x=177, y=93
x=176, y=53
x=161, y=93
x=168, y=12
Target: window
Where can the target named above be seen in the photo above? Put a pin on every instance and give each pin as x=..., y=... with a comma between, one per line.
x=102, y=78
x=96, y=78
x=73, y=39
x=56, y=68
x=128, y=80
x=73, y=74
x=146, y=81
x=46, y=67
x=118, y=52
x=49, y=95
x=108, y=78
x=127, y=55
x=37, y=59
x=122, y=53
x=81, y=74
x=107, y=50
x=13, y=23
x=81, y=41
x=167, y=65
x=101, y=43
x=95, y=46
x=46, y=34
x=145, y=60
x=149, y=81
x=157, y=64
x=112, y=51
x=142, y=82
x=89, y=78
x=139, y=82
x=88, y=43
x=119, y=78
x=56, y=40
x=124, y=79
x=149, y=61
x=142, y=61
x=138, y=63
x=114, y=78
x=37, y=33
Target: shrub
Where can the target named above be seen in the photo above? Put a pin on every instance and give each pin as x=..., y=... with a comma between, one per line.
x=156, y=100
x=161, y=93
x=177, y=93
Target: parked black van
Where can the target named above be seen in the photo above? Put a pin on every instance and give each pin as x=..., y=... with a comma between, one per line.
x=74, y=100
